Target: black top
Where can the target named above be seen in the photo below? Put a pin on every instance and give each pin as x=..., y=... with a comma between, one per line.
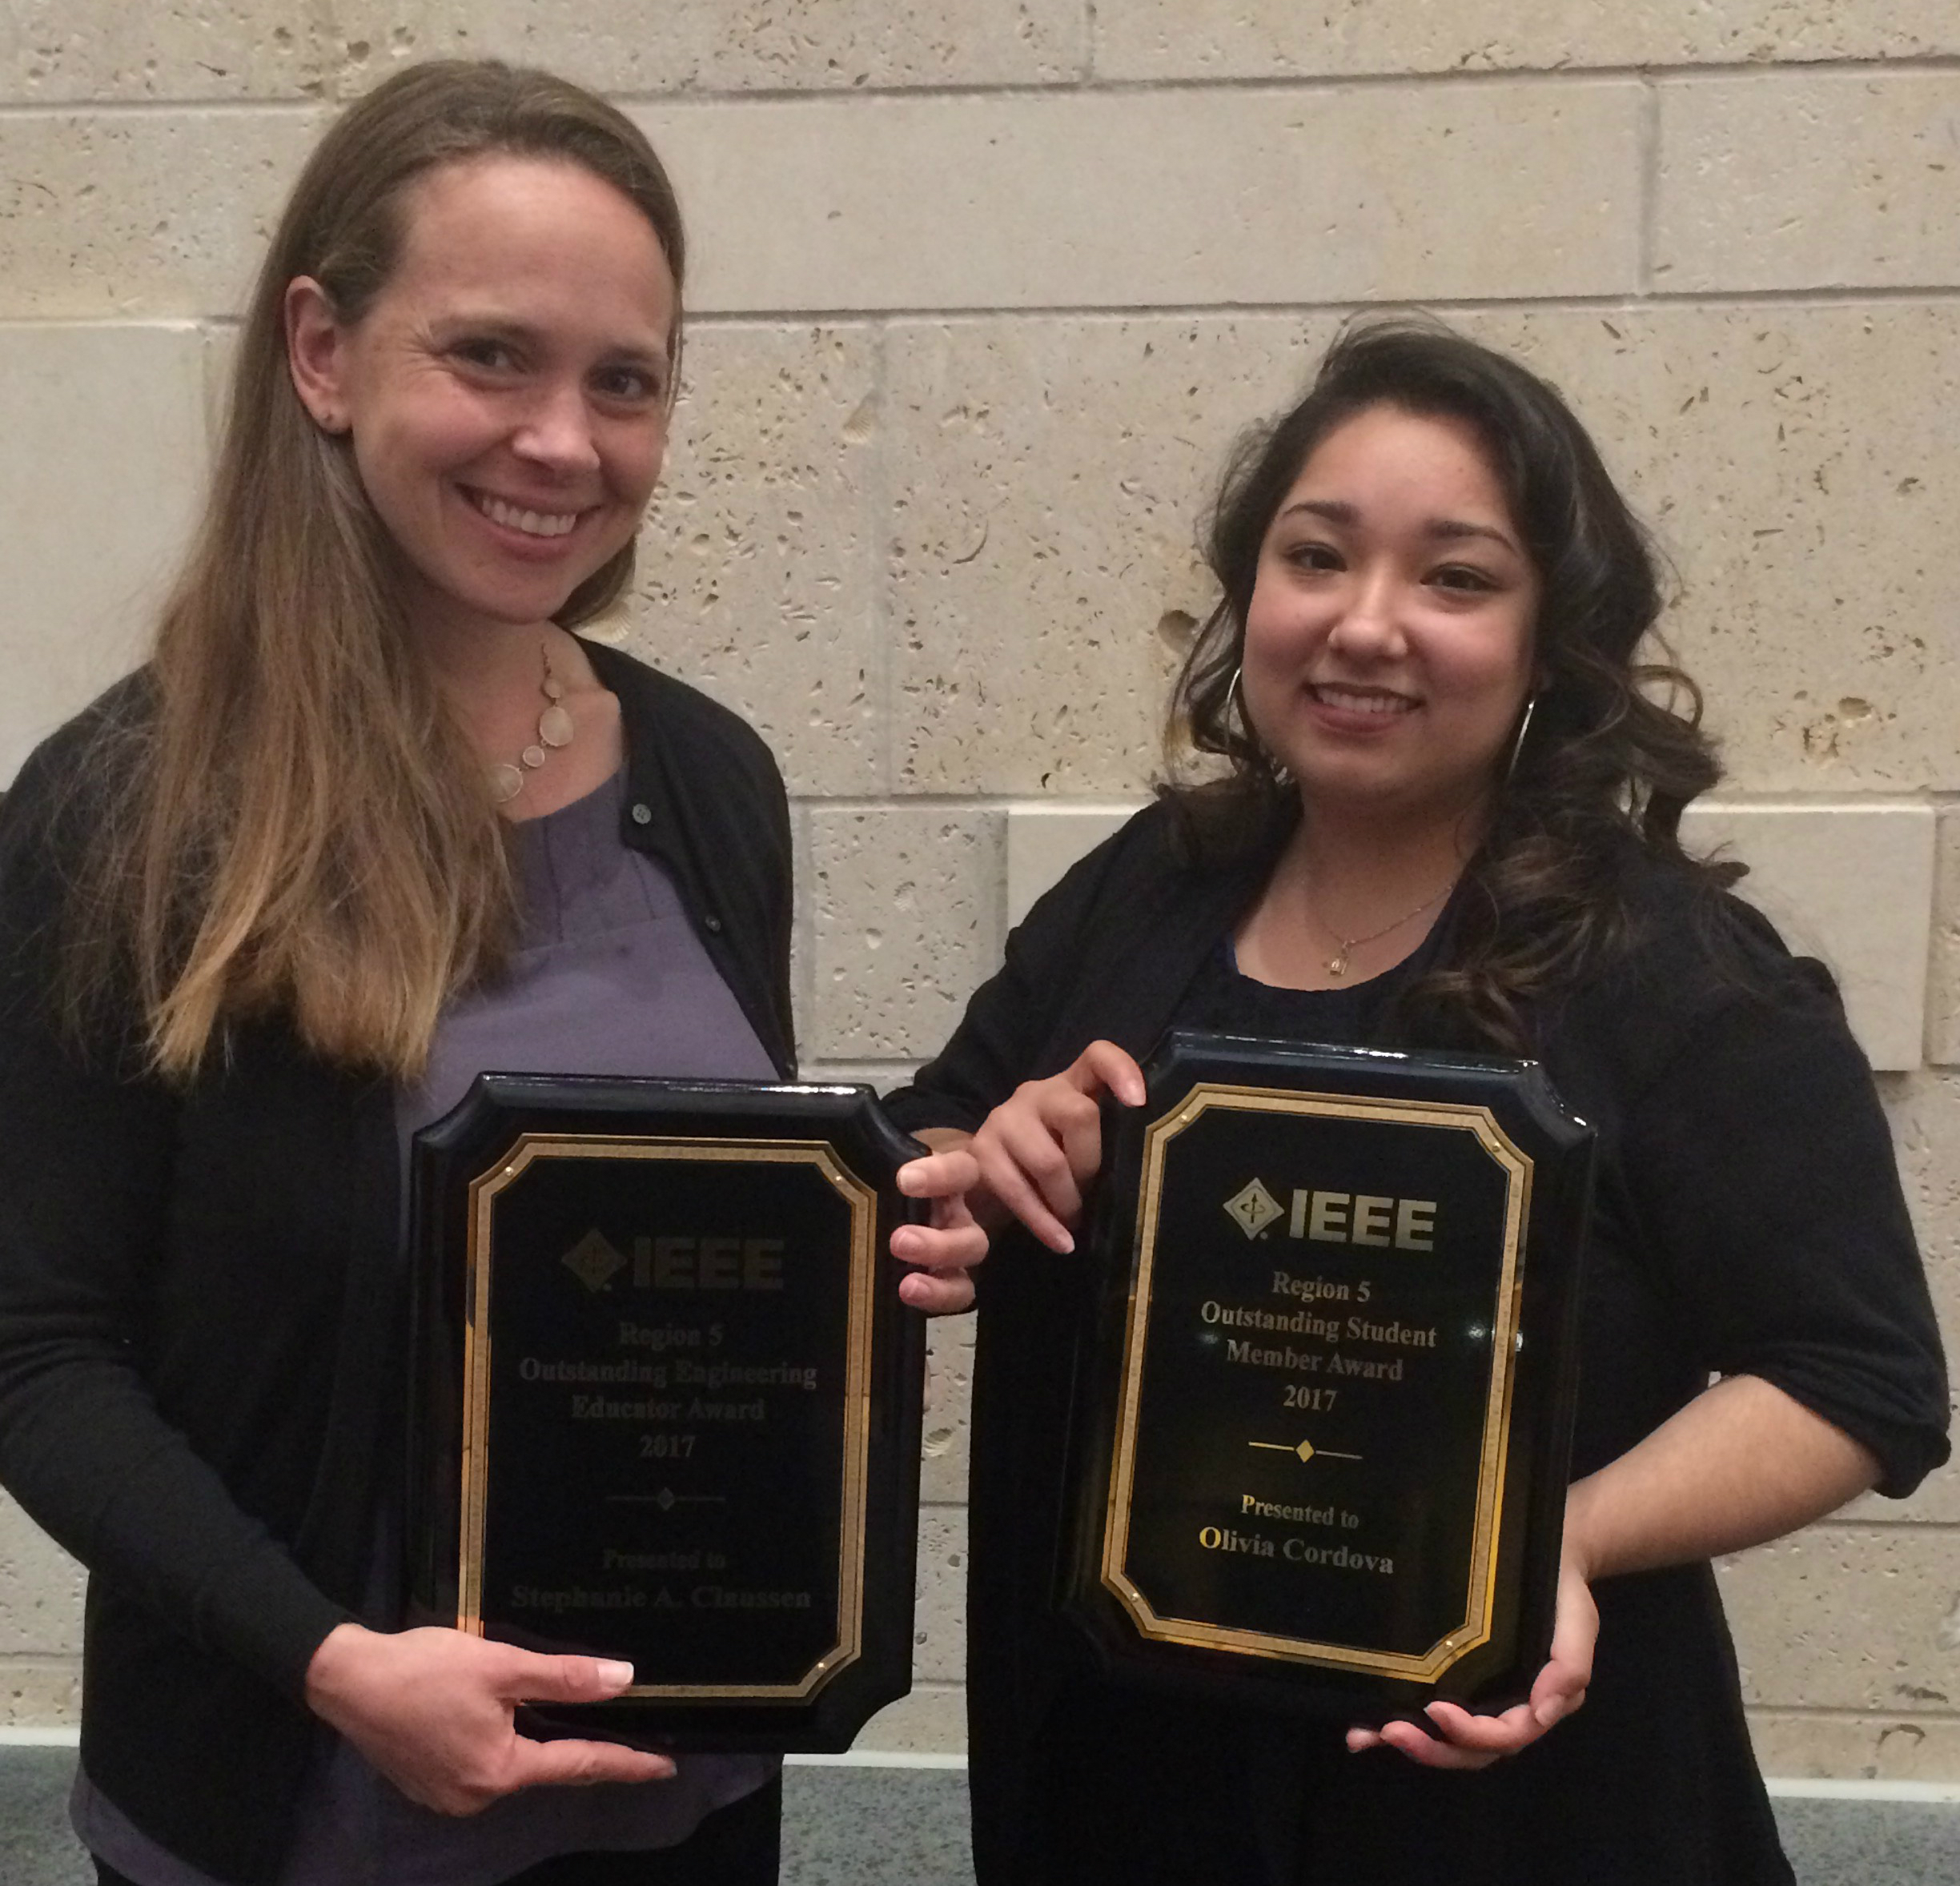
x=201, y=1291
x=1748, y=1220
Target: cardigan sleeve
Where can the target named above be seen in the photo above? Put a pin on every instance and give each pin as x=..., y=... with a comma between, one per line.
x=1761, y=1176
x=86, y=1145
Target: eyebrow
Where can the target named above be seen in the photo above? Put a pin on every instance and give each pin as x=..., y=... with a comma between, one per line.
x=504, y=328
x=1441, y=530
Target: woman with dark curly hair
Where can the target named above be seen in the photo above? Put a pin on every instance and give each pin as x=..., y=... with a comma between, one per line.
x=1445, y=814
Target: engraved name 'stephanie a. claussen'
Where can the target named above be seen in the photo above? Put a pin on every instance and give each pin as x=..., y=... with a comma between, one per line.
x=1480, y=1582
x=484, y=1193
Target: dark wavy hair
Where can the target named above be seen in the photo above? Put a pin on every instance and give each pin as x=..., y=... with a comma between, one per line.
x=1614, y=749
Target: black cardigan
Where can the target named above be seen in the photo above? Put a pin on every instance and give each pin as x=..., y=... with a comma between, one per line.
x=1764, y=1234
x=202, y=1293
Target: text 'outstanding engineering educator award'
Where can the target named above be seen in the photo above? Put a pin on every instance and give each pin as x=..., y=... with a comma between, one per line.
x=667, y=1401
x=1320, y=1437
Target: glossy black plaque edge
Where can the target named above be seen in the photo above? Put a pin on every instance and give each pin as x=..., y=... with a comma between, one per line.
x=474, y=1138
x=1521, y=1096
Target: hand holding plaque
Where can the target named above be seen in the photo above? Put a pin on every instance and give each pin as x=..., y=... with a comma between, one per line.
x=668, y=1400
x=1320, y=1437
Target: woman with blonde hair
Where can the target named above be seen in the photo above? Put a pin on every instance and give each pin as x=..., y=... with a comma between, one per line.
x=372, y=818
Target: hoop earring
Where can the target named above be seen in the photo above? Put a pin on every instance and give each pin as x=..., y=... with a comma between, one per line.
x=1234, y=694
x=1517, y=743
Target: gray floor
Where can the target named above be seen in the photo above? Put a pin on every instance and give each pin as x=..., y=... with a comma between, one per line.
x=883, y=1826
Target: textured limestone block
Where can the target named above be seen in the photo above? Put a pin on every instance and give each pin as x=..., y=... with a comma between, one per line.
x=1047, y=476
x=948, y=1410
x=932, y=1720
x=755, y=576
x=1151, y=199
x=1943, y=972
x=939, y=1621
x=1858, y=1617
x=906, y=925
x=1898, y=1748
x=1851, y=884
x=627, y=46
x=1814, y=180
x=1046, y=480
x=100, y=467
x=149, y=214
x=1798, y=467
x=1280, y=38
x=41, y=1590
x=40, y=1693
x=1044, y=840
x=54, y=50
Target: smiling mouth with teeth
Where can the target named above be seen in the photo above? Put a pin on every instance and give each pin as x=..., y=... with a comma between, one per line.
x=1361, y=700
x=533, y=523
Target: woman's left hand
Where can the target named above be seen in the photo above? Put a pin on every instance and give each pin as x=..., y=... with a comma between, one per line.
x=1466, y=1741
x=947, y=1247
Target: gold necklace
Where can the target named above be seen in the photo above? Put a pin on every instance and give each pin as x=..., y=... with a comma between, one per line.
x=554, y=729
x=1337, y=964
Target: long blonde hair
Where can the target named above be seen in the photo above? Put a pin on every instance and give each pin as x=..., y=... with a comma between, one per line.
x=300, y=826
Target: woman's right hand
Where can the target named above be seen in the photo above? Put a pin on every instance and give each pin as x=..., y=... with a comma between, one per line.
x=1040, y=1147
x=433, y=1709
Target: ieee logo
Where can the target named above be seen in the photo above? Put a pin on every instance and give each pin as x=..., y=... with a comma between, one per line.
x=594, y=1263
x=1253, y=1209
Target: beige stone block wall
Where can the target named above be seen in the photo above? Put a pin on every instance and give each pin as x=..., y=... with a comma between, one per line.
x=1171, y=39
x=1823, y=180
x=87, y=539
x=907, y=202
x=984, y=292
x=758, y=576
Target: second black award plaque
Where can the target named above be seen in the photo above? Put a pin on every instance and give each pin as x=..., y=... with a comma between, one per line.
x=1322, y=1434
x=668, y=1400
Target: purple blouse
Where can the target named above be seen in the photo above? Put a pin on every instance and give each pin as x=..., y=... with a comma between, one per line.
x=609, y=978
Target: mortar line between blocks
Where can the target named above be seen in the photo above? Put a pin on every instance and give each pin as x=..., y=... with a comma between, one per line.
x=803, y=918
x=878, y=531
x=1061, y=87
x=733, y=320
x=1838, y=1523
x=1650, y=186
x=1622, y=301
x=1934, y=1017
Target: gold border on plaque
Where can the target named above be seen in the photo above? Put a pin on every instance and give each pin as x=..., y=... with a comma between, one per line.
x=1480, y=1584
x=479, y=1257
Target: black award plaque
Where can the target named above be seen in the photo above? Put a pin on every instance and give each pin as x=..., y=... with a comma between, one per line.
x=667, y=1401
x=1322, y=1427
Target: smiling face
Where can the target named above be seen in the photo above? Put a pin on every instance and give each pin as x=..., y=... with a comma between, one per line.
x=505, y=390
x=1388, y=639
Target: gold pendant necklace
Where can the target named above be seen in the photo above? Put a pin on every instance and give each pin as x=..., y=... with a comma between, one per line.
x=1337, y=963
x=554, y=729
